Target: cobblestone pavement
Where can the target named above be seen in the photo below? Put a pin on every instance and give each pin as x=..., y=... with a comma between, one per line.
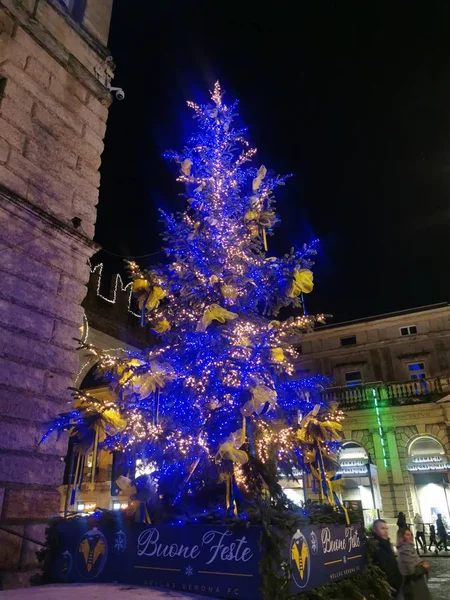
x=439, y=582
x=94, y=592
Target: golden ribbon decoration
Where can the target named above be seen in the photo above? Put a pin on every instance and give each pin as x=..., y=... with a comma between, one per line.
x=214, y=312
x=258, y=222
x=148, y=296
x=277, y=354
x=161, y=327
x=155, y=378
x=302, y=282
x=229, y=450
x=261, y=395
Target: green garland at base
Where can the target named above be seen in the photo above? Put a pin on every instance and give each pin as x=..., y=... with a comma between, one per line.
x=370, y=584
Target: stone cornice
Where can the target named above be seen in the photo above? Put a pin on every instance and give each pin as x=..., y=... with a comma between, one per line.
x=395, y=416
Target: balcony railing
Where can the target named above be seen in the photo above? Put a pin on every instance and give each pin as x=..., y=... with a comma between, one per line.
x=396, y=393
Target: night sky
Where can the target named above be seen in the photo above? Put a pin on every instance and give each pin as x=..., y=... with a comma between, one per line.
x=352, y=98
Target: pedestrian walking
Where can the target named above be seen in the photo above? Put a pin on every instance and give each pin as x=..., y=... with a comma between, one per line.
x=385, y=558
x=441, y=531
x=414, y=570
x=433, y=540
x=420, y=531
x=401, y=520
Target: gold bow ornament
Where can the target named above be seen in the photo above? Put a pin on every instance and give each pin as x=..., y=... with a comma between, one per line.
x=257, y=222
x=229, y=450
x=277, y=354
x=302, y=282
x=214, y=312
x=148, y=296
x=158, y=375
x=126, y=370
x=262, y=172
x=161, y=327
x=186, y=166
x=261, y=395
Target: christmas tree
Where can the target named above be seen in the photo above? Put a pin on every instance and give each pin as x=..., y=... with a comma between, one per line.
x=213, y=408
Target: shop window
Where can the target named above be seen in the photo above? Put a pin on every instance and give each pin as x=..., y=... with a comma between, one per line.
x=75, y=8
x=425, y=446
x=348, y=341
x=416, y=370
x=408, y=330
x=353, y=378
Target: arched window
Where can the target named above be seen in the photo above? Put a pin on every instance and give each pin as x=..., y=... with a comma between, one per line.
x=426, y=454
x=425, y=446
x=93, y=379
x=353, y=451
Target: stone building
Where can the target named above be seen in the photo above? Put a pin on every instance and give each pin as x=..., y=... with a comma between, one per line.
x=55, y=73
x=391, y=376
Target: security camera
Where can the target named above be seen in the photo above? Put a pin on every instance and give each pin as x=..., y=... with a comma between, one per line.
x=120, y=94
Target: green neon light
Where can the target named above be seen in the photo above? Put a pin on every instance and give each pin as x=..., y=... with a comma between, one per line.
x=380, y=428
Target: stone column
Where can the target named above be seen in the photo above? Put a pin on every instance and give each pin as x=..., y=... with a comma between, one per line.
x=53, y=111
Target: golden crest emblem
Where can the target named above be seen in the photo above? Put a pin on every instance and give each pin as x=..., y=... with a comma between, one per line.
x=300, y=559
x=92, y=554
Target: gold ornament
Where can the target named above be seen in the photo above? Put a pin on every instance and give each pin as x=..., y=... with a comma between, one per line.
x=186, y=167
x=152, y=299
x=258, y=222
x=229, y=450
x=261, y=395
x=262, y=172
x=302, y=282
x=141, y=286
x=161, y=327
x=277, y=354
x=156, y=377
x=214, y=312
x=126, y=370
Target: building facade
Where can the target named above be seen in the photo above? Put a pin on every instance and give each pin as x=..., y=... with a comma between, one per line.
x=55, y=72
x=390, y=374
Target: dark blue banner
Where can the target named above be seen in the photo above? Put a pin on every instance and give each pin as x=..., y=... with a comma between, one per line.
x=324, y=554
x=211, y=560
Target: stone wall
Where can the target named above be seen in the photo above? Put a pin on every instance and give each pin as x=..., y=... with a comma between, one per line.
x=53, y=111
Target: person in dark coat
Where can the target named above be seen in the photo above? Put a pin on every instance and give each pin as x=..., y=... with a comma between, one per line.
x=414, y=570
x=384, y=556
x=433, y=540
x=401, y=520
x=441, y=531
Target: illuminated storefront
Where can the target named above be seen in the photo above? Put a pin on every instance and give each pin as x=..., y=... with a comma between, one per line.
x=293, y=488
x=429, y=466
x=360, y=490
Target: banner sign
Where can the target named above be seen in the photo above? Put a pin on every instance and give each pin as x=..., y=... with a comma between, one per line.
x=324, y=554
x=210, y=560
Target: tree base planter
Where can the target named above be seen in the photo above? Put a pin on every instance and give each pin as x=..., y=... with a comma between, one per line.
x=211, y=560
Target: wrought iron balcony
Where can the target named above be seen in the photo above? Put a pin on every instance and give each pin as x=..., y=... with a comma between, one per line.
x=396, y=393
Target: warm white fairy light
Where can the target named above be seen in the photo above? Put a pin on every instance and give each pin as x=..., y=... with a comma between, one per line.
x=210, y=304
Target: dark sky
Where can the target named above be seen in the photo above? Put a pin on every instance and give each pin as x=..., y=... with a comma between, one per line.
x=353, y=98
